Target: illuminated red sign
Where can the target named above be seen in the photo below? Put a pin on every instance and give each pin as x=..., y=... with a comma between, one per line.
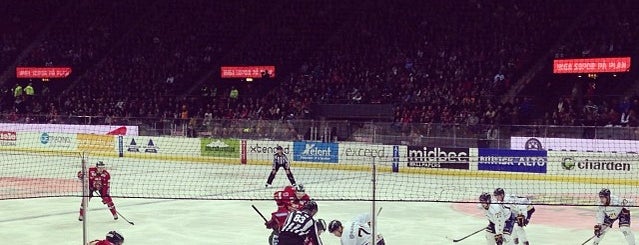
x=43, y=72
x=246, y=71
x=593, y=65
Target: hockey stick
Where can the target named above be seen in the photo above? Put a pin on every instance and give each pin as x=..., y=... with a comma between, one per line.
x=379, y=211
x=124, y=218
x=260, y=213
x=463, y=238
x=593, y=236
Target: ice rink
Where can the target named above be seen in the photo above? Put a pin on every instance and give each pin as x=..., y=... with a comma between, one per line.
x=232, y=221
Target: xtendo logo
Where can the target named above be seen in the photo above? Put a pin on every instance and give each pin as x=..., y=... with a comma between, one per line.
x=267, y=149
x=436, y=157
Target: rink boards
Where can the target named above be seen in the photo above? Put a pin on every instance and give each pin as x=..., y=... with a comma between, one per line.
x=570, y=166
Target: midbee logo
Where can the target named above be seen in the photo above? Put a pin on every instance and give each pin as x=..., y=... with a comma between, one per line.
x=436, y=157
x=569, y=163
x=315, y=152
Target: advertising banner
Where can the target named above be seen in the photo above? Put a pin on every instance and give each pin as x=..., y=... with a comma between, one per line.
x=512, y=160
x=591, y=65
x=609, y=165
x=42, y=72
x=575, y=145
x=96, y=143
x=362, y=153
x=246, y=71
x=307, y=151
x=229, y=148
x=8, y=138
x=69, y=128
x=48, y=140
x=160, y=145
x=264, y=149
x=438, y=157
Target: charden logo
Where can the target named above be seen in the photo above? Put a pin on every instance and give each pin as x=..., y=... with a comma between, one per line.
x=533, y=144
x=426, y=157
x=569, y=163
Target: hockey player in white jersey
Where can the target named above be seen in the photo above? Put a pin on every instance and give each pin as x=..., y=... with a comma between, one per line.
x=523, y=210
x=611, y=209
x=356, y=232
x=500, y=221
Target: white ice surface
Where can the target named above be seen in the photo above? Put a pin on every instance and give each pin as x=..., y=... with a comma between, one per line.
x=167, y=221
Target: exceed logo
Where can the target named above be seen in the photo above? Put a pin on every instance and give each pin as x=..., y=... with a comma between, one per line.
x=8, y=136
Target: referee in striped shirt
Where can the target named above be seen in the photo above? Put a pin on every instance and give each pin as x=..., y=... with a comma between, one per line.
x=300, y=225
x=280, y=160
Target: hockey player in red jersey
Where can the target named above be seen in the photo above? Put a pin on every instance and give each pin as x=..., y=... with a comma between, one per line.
x=277, y=220
x=112, y=238
x=99, y=179
x=293, y=196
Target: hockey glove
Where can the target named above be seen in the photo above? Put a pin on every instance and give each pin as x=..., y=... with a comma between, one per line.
x=521, y=220
x=270, y=224
x=499, y=239
x=598, y=229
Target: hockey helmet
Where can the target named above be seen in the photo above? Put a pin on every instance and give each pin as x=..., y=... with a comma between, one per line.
x=484, y=198
x=334, y=225
x=100, y=164
x=310, y=206
x=321, y=224
x=605, y=192
x=279, y=148
x=499, y=192
x=114, y=237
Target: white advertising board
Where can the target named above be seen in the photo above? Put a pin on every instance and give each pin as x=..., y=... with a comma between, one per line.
x=264, y=149
x=594, y=165
x=574, y=145
x=161, y=145
x=54, y=141
x=362, y=153
x=68, y=128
